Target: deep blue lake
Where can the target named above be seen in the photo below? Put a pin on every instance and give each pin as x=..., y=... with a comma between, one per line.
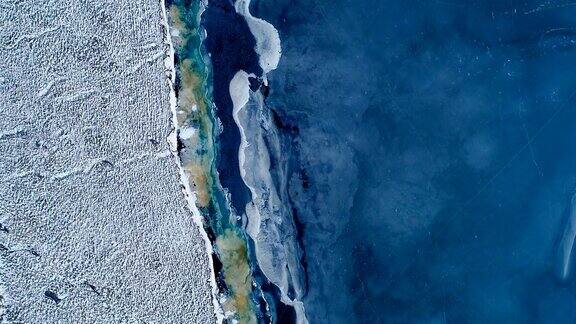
x=435, y=156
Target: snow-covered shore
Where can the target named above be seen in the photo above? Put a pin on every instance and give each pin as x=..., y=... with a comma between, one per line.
x=85, y=84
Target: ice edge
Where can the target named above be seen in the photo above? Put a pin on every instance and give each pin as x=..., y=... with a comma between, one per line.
x=189, y=194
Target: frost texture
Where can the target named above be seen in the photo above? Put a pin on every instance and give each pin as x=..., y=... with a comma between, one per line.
x=93, y=224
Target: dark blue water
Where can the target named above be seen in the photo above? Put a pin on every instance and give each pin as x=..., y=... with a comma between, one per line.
x=434, y=148
x=231, y=46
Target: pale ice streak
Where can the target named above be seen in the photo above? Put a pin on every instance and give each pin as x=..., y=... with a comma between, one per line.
x=269, y=221
x=267, y=38
x=567, y=243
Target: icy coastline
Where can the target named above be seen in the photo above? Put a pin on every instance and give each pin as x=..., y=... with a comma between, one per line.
x=185, y=181
x=254, y=240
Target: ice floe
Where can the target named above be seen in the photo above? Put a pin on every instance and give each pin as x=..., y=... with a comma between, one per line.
x=269, y=220
x=268, y=45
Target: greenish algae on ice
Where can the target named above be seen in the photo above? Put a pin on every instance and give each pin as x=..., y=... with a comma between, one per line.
x=197, y=134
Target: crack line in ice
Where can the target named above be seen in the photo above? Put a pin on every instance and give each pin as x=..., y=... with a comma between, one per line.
x=81, y=95
x=30, y=37
x=14, y=132
x=44, y=90
x=86, y=168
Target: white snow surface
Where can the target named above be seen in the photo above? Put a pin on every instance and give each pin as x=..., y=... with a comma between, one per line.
x=91, y=209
